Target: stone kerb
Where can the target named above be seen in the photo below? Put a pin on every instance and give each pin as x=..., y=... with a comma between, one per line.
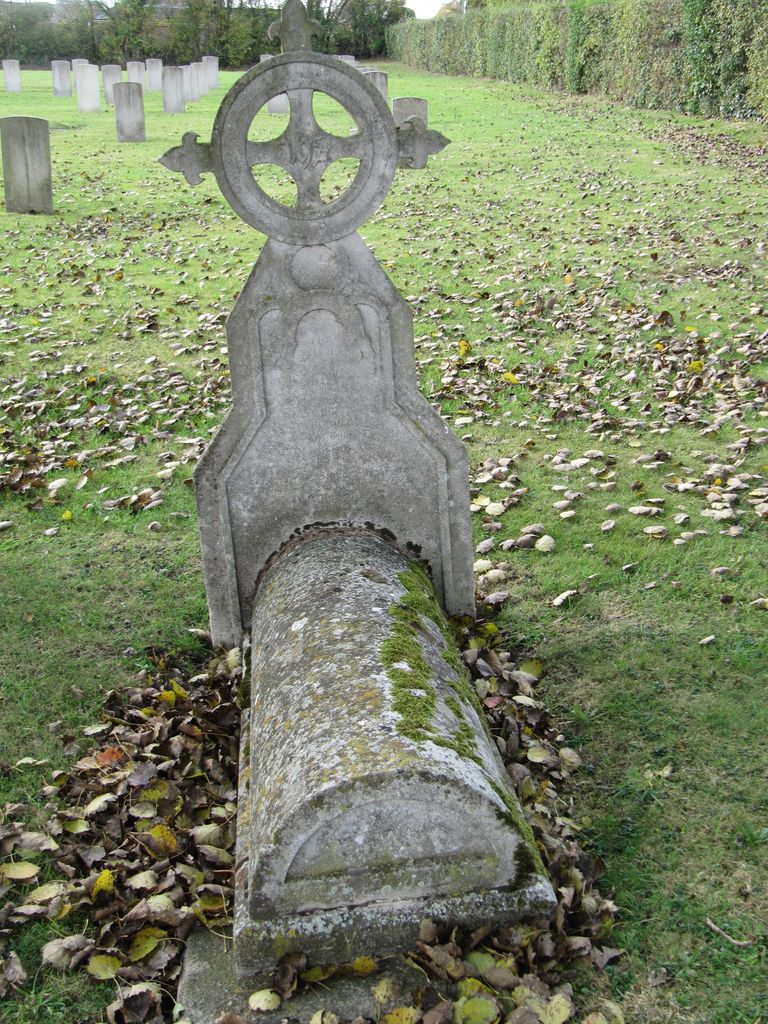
x=136, y=71
x=338, y=806
x=26, y=164
x=129, y=112
x=111, y=74
x=173, y=91
x=61, y=74
x=87, y=88
x=12, y=75
x=154, y=74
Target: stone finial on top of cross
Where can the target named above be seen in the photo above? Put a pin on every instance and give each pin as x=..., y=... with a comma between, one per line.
x=295, y=29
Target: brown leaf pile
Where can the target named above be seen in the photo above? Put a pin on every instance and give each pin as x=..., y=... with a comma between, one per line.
x=143, y=828
x=140, y=838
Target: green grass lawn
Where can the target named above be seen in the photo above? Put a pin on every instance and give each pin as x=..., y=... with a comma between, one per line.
x=583, y=278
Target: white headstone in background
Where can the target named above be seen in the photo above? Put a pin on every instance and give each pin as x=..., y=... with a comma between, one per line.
x=136, y=72
x=211, y=65
x=186, y=71
x=87, y=88
x=173, y=91
x=62, y=84
x=200, y=79
x=129, y=112
x=26, y=164
x=154, y=74
x=277, y=104
x=348, y=58
x=379, y=80
x=111, y=74
x=12, y=75
x=404, y=107
x=79, y=60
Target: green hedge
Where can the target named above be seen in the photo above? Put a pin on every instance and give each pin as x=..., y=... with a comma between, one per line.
x=706, y=56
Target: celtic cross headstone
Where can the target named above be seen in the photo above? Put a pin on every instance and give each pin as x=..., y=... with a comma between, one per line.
x=328, y=427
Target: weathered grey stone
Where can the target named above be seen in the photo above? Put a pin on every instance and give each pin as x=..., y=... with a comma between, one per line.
x=211, y=65
x=12, y=75
x=154, y=74
x=374, y=795
x=405, y=107
x=321, y=353
x=111, y=74
x=87, y=88
x=379, y=80
x=173, y=91
x=209, y=986
x=136, y=72
x=26, y=164
x=129, y=112
x=62, y=84
x=348, y=58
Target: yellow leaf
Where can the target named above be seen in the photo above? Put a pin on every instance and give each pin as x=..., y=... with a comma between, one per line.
x=362, y=966
x=48, y=891
x=179, y=690
x=318, y=973
x=464, y=348
x=164, y=840
x=105, y=883
x=569, y=278
x=75, y=827
x=401, y=1015
x=533, y=667
x=558, y=1010
x=695, y=366
x=104, y=967
x=20, y=871
x=66, y=516
x=511, y=378
x=145, y=941
x=169, y=697
x=263, y=1000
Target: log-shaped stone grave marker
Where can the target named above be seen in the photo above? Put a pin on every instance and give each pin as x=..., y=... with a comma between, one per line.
x=335, y=528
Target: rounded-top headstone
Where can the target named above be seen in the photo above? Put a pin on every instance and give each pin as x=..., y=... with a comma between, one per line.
x=26, y=164
x=12, y=75
x=129, y=112
x=87, y=88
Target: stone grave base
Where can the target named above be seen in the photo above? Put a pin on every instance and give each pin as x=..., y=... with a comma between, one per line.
x=209, y=987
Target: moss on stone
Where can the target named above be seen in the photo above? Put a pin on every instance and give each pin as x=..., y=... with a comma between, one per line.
x=515, y=817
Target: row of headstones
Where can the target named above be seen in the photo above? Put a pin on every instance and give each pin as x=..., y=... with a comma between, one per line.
x=179, y=85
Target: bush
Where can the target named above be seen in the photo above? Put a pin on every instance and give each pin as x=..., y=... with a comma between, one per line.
x=706, y=56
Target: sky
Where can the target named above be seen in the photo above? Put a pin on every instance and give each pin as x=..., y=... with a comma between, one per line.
x=425, y=8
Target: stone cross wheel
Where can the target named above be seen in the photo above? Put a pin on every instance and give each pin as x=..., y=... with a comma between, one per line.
x=304, y=150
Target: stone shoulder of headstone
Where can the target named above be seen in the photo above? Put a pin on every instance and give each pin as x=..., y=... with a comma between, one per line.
x=26, y=150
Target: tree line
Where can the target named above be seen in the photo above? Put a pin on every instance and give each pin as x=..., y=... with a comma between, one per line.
x=179, y=31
